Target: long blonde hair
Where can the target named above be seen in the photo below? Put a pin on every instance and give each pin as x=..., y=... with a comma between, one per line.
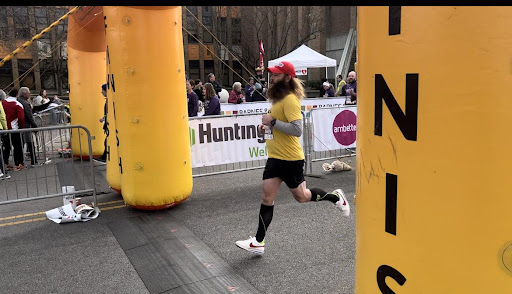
x=280, y=90
x=210, y=91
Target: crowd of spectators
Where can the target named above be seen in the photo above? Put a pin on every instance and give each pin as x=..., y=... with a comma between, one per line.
x=201, y=100
x=16, y=112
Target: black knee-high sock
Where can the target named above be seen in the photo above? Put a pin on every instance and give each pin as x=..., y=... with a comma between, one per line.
x=266, y=213
x=318, y=194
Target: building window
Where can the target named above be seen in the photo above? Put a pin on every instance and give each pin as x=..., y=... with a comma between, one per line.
x=192, y=9
x=207, y=37
x=208, y=68
x=192, y=25
x=21, y=28
x=238, y=69
x=26, y=73
x=193, y=69
x=6, y=75
x=4, y=29
x=47, y=76
x=207, y=20
x=208, y=23
x=222, y=30
x=236, y=31
x=63, y=25
x=41, y=21
x=192, y=39
x=43, y=48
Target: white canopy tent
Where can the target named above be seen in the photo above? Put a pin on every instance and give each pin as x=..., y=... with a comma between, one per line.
x=305, y=57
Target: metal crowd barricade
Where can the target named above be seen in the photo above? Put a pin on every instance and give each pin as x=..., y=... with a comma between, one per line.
x=53, y=115
x=310, y=155
x=242, y=165
x=48, y=167
x=209, y=170
x=314, y=156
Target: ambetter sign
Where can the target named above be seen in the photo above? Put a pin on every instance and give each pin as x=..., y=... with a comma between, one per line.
x=334, y=128
x=344, y=127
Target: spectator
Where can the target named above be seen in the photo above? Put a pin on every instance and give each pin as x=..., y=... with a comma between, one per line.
x=192, y=83
x=265, y=88
x=47, y=102
x=257, y=95
x=322, y=90
x=212, y=102
x=192, y=99
x=236, y=96
x=15, y=116
x=249, y=89
x=40, y=99
x=23, y=96
x=329, y=91
x=259, y=74
x=341, y=83
x=3, y=121
x=215, y=84
x=103, y=119
x=350, y=89
x=3, y=126
x=198, y=89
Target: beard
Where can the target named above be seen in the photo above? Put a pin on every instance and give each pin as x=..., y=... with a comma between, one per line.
x=278, y=90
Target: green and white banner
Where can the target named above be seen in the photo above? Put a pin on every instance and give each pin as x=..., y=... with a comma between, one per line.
x=226, y=139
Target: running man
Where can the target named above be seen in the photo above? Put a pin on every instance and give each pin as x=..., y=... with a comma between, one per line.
x=282, y=128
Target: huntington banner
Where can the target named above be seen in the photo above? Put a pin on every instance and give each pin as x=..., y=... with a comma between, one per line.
x=226, y=139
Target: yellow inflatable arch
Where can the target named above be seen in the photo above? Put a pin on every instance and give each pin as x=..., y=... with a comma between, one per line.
x=146, y=78
x=86, y=69
x=433, y=216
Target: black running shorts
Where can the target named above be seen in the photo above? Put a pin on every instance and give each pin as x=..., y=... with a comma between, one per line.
x=291, y=172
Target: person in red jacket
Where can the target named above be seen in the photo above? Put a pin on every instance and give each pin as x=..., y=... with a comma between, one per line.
x=15, y=115
x=236, y=96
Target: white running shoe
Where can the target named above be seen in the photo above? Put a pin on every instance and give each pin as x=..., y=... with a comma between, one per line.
x=252, y=245
x=342, y=204
x=4, y=176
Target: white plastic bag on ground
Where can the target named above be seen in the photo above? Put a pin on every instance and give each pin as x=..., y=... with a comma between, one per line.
x=66, y=213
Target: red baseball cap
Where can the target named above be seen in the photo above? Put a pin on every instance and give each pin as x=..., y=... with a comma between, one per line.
x=283, y=67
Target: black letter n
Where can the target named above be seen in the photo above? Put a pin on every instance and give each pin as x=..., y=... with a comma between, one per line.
x=408, y=122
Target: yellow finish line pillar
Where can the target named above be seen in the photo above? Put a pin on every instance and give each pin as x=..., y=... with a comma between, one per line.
x=86, y=70
x=147, y=78
x=113, y=170
x=433, y=148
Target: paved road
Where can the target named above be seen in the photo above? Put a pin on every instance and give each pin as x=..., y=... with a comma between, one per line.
x=310, y=248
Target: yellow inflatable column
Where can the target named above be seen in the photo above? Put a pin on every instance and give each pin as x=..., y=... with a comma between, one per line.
x=147, y=77
x=86, y=73
x=113, y=171
x=433, y=150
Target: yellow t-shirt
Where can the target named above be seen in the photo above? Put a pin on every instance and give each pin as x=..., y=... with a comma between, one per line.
x=283, y=146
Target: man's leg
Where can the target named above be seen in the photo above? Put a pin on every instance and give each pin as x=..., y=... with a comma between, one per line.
x=18, y=149
x=31, y=151
x=6, y=148
x=270, y=189
x=302, y=194
x=257, y=244
x=2, y=167
x=294, y=179
x=104, y=155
